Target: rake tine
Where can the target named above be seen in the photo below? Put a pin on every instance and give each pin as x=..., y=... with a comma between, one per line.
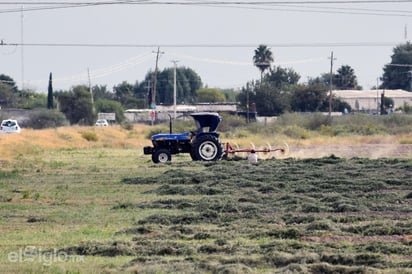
x=286, y=149
x=267, y=150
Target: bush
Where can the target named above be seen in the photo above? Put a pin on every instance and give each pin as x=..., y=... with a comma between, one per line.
x=407, y=108
x=156, y=130
x=90, y=136
x=127, y=125
x=296, y=132
x=47, y=119
x=316, y=120
x=360, y=124
x=397, y=123
x=229, y=122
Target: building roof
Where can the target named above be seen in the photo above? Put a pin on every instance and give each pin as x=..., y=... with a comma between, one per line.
x=358, y=94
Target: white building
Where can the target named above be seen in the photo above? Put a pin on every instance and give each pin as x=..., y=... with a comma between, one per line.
x=163, y=111
x=369, y=100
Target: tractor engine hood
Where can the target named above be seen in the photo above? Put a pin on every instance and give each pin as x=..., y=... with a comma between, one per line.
x=172, y=137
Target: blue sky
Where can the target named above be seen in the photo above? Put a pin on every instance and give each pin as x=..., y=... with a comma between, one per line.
x=116, y=42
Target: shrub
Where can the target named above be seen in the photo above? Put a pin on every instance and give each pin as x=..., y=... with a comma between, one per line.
x=405, y=141
x=296, y=132
x=156, y=130
x=316, y=120
x=229, y=122
x=397, y=123
x=327, y=130
x=90, y=136
x=47, y=119
x=26, y=194
x=180, y=126
x=407, y=108
x=127, y=125
x=288, y=119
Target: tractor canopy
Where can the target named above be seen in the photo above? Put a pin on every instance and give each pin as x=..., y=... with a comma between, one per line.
x=208, y=120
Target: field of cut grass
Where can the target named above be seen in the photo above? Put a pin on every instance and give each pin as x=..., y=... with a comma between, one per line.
x=86, y=200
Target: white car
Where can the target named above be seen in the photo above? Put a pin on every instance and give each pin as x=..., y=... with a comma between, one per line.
x=10, y=126
x=102, y=123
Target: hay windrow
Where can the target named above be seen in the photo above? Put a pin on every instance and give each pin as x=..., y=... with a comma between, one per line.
x=288, y=214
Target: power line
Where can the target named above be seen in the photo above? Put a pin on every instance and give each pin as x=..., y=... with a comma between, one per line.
x=195, y=2
x=265, y=5
x=328, y=10
x=211, y=45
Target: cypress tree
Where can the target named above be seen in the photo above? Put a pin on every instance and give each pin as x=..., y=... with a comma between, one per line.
x=50, y=93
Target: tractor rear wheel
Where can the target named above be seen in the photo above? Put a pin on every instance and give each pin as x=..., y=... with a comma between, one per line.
x=206, y=148
x=161, y=156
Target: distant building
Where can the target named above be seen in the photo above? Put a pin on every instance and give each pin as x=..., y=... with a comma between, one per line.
x=369, y=100
x=163, y=111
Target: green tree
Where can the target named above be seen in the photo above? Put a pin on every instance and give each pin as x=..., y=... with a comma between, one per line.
x=266, y=100
x=124, y=93
x=247, y=96
x=8, y=98
x=187, y=83
x=7, y=80
x=309, y=98
x=345, y=78
x=101, y=92
x=31, y=100
x=280, y=77
x=110, y=106
x=396, y=75
x=262, y=59
x=8, y=91
x=46, y=118
x=230, y=94
x=210, y=95
x=50, y=93
x=272, y=97
x=324, y=79
x=76, y=104
x=272, y=101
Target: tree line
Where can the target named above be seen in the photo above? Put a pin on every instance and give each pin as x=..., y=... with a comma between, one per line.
x=277, y=91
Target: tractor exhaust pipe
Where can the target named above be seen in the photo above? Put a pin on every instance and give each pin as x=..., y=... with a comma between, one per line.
x=170, y=123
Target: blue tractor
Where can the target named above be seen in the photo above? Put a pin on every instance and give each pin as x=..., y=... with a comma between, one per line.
x=203, y=144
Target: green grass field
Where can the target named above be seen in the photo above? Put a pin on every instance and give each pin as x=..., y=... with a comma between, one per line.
x=69, y=205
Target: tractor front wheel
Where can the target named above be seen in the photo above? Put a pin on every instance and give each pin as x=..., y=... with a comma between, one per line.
x=207, y=148
x=161, y=156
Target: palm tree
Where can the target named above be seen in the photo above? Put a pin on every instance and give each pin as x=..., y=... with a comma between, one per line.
x=262, y=59
x=346, y=78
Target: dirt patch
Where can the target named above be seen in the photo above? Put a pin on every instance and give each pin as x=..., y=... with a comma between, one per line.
x=371, y=151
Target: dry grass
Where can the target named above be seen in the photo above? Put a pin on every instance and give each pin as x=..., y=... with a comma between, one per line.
x=29, y=140
x=33, y=141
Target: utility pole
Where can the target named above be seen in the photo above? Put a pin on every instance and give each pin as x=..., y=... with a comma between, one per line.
x=90, y=89
x=377, y=96
x=155, y=78
x=149, y=93
x=22, y=47
x=330, y=83
x=174, y=88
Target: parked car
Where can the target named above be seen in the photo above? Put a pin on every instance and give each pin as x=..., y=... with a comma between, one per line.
x=102, y=123
x=10, y=126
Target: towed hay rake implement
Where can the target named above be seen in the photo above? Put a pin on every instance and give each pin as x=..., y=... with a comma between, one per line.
x=268, y=151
